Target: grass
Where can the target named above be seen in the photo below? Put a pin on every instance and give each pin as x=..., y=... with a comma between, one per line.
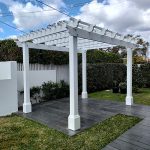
x=143, y=97
x=18, y=133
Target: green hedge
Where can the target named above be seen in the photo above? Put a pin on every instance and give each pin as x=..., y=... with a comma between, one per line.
x=145, y=69
x=53, y=90
x=101, y=76
x=100, y=56
x=9, y=51
x=138, y=79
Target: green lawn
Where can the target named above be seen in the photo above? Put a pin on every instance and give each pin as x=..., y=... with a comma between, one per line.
x=18, y=133
x=143, y=97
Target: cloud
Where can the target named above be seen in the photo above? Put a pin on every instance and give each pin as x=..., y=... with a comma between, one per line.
x=8, y=2
x=12, y=37
x=128, y=17
x=24, y=20
x=1, y=30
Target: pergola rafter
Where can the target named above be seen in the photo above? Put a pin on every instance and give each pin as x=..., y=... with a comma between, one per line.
x=74, y=36
x=58, y=35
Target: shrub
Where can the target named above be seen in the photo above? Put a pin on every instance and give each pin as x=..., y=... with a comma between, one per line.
x=139, y=60
x=100, y=56
x=123, y=87
x=115, y=83
x=145, y=69
x=35, y=92
x=53, y=90
x=101, y=76
x=138, y=80
x=135, y=89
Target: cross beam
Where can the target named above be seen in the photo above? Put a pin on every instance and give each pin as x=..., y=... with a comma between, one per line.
x=43, y=47
x=99, y=38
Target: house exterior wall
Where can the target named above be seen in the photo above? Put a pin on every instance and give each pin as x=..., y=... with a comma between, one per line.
x=8, y=88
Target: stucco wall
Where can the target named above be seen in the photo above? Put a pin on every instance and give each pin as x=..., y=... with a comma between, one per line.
x=37, y=78
x=8, y=88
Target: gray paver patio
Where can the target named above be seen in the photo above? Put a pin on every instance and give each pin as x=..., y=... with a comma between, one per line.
x=54, y=114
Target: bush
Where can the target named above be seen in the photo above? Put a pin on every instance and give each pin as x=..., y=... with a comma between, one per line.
x=123, y=85
x=145, y=69
x=100, y=56
x=34, y=90
x=139, y=60
x=135, y=89
x=35, y=93
x=138, y=80
x=53, y=90
x=101, y=76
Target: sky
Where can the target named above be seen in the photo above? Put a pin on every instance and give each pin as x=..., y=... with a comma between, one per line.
x=123, y=16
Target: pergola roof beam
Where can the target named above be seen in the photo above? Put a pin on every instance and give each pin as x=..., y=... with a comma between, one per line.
x=44, y=47
x=100, y=38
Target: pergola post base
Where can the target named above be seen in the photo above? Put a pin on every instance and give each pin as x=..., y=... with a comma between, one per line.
x=27, y=108
x=74, y=122
x=84, y=95
x=129, y=100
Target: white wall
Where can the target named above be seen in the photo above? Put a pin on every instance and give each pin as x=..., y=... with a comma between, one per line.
x=62, y=71
x=8, y=88
x=37, y=78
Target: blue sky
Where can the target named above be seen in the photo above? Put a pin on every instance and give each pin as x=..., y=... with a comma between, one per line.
x=115, y=15
x=8, y=31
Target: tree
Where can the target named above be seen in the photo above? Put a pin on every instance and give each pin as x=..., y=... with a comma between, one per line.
x=141, y=51
x=136, y=52
x=9, y=51
x=101, y=56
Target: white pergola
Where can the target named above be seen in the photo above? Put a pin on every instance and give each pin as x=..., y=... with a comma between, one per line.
x=74, y=36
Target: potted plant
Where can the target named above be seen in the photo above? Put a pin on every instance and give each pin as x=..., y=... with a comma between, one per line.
x=123, y=88
x=115, y=87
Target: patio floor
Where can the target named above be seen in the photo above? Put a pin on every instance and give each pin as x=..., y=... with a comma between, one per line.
x=54, y=114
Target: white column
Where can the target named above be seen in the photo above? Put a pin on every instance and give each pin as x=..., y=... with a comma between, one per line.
x=74, y=118
x=84, y=76
x=148, y=54
x=129, y=97
x=27, y=104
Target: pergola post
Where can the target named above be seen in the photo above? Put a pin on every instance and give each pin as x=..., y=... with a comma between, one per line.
x=84, y=76
x=74, y=118
x=27, y=104
x=129, y=97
